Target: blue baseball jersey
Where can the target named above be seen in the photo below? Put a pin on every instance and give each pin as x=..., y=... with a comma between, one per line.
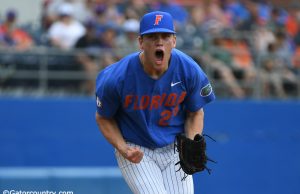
x=152, y=112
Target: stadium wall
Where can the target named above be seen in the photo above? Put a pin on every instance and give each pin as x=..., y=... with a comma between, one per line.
x=257, y=147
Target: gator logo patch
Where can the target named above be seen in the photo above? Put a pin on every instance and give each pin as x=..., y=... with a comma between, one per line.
x=206, y=90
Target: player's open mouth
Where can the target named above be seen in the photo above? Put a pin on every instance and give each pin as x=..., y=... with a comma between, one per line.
x=159, y=54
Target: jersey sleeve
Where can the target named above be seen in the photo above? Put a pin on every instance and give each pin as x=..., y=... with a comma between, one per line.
x=200, y=91
x=107, y=98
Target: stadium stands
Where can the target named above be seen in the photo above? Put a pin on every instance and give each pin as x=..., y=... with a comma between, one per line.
x=30, y=60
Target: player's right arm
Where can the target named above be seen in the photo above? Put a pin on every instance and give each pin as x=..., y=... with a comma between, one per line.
x=108, y=102
x=111, y=131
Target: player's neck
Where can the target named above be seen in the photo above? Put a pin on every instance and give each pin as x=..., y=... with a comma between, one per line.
x=151, y=69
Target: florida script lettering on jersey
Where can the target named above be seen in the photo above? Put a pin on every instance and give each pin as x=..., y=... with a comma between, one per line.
x=156, y=102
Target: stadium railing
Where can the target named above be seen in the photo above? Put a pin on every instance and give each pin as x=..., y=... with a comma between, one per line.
x=49, y=71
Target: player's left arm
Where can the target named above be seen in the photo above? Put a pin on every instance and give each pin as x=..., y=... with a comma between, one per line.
x=194, y=123
x=200, y=93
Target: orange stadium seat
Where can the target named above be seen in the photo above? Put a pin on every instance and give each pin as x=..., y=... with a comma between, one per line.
x=240, y=52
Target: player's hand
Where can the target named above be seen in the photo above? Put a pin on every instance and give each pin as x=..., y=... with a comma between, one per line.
x=133, y=154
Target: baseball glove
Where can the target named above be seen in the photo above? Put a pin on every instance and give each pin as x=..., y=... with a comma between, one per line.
x=192, y=154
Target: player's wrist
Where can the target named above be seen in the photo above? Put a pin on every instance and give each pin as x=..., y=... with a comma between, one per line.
x=122, y=149
x=191, y=134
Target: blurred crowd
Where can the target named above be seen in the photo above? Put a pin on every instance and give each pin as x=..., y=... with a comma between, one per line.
x=240, y=43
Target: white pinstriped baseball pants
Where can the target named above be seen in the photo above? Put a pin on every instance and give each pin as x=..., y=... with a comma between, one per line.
x=156, y=173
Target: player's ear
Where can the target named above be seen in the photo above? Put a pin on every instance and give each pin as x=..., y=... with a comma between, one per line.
x=174, y=41
x=140, y=39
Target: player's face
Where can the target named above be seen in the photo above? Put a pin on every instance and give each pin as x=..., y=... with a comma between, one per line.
x=157, y=49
